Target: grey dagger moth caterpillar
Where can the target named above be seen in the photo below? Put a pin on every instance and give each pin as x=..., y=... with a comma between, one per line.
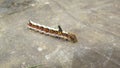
x=52, y=32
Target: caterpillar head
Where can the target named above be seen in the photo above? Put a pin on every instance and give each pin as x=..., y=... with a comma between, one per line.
x=72, y=38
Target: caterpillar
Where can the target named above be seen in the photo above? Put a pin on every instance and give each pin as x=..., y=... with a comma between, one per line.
x=52, y=32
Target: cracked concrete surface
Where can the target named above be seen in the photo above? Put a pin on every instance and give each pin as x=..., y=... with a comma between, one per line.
x=95, y=22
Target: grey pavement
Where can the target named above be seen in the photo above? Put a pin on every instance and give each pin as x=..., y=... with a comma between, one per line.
x=96, y=24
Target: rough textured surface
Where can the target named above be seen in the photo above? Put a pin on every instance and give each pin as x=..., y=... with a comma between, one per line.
x=95, y=22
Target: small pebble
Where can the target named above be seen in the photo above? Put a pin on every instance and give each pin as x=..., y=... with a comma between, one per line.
x=40, y=49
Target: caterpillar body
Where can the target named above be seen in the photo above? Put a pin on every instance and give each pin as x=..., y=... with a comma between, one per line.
x=52, y=32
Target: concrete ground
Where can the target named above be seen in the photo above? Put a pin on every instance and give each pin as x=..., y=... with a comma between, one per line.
x=96, y=24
